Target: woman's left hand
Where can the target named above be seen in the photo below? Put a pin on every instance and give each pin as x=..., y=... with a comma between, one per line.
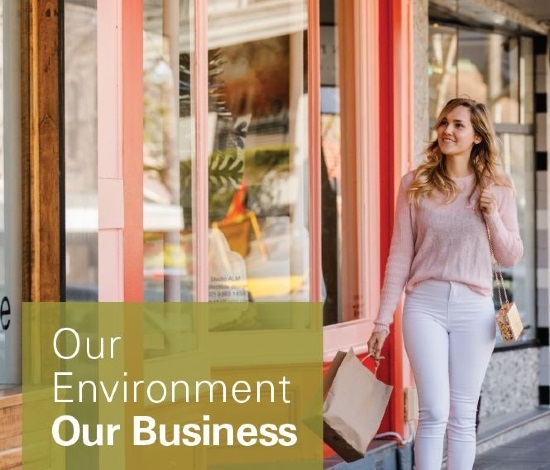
x=487, y=201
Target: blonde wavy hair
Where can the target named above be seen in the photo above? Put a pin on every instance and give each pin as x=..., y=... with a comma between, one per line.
x=432, y=174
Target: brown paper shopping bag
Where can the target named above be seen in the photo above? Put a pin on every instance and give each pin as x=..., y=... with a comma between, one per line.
x=354, y=404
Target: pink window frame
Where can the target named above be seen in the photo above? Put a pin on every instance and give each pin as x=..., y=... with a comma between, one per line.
x=120, y=150
x=120, y=179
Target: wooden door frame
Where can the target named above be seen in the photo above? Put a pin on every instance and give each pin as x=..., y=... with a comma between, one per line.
x=41, y=151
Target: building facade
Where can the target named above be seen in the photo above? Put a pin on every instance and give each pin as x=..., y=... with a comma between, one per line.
x=230, y=150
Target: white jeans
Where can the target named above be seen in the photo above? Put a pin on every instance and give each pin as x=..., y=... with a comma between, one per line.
x=449, y=333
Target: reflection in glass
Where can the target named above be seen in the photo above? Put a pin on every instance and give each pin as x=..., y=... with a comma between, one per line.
x=488, y=71
x=483, y=66
x=442, y=70
x=168, y=149
x=258, y=161
x=81, y=217
x=526, y=83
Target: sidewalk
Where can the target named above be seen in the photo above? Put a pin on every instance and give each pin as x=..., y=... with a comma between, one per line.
x=518, y=441
x=531, y=452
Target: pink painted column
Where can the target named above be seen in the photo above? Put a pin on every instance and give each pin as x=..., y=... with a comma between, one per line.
x=120, y=149
x=395, y=93
x=368, y=164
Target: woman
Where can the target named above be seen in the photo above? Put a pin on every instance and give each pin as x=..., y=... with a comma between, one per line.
x=440, y=255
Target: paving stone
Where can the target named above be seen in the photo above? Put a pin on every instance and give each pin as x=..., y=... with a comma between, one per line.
x=531, y=452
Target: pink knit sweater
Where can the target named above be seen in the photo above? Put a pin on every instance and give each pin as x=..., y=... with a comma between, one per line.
x=447, y=242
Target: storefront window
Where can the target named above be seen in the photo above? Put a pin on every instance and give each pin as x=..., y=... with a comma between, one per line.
x=81, y=213
x=496, y=69
x=258, y=151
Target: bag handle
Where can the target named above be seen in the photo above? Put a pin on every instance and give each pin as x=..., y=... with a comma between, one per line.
x=496, y=268
x=375, y=359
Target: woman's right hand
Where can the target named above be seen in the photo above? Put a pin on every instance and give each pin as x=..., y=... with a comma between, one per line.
x=375, y=343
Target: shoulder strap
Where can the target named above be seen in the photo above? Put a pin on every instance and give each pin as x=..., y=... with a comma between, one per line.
x=496, y=269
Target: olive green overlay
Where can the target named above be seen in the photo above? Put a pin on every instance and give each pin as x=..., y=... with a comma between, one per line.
x=172, y=385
